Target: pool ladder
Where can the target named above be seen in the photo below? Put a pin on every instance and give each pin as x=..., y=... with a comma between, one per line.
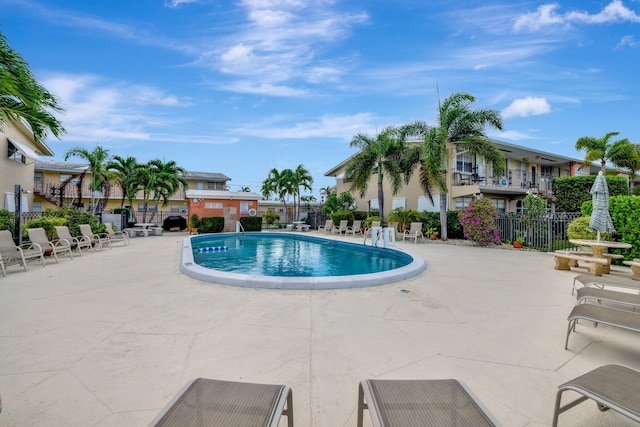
x=239, y=227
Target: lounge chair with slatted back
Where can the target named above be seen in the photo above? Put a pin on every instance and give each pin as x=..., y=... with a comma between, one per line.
x=97, y=239
x=116, y=236
x=355, y=228
x=9, y=250
x=327, y=227
x=60, y=246
x=76, y=242
x=612, y=387
x=414, y=232
x=437, y=403
x=340, y=228
x=206, y=402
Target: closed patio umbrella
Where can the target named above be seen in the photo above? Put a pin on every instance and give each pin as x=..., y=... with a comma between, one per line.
x=600, y=218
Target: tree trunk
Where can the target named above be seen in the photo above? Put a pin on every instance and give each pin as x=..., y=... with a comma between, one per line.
x=380, y=199
x=443, y=215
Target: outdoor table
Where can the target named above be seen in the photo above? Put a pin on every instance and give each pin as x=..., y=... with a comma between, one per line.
x=599, y=246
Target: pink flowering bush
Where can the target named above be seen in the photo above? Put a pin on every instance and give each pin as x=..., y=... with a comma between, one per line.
x=478, y=221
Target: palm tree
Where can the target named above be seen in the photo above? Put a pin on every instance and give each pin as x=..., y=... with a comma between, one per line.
x=125, y=170
x=166, y=179
x=462, y=127
x=245, y=189
x=98, y=159
x=386, y=154
x=602, y=150
x=303, y=179
x=22, y=97
x=280, y=184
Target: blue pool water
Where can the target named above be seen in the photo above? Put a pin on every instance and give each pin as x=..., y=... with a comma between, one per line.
x=294, y=261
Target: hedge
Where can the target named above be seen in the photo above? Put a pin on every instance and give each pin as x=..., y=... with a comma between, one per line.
x=572, y=191
x=251, y=223
x=211, y=224
x=336, y=217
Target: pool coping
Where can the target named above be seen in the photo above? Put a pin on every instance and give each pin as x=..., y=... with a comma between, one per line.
x=195, y=271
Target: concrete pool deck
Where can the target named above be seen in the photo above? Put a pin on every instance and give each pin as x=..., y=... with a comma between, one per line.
x=108, y=338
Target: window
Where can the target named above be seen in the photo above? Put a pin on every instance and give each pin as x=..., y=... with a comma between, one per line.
x=399, y=202
x=373, y=205
x=151, y=207
x=519, y=207
x=462, y=202
x=501, y=205
x=244, y=207
x=178, y=208
x=212, y=185
x=14, y=154
x=199, y=185
x=463, y=163
x=582, y=171
x=521, y=170
x=545, y=173
x=37, y=207
x=214, y=205
x=66, y=176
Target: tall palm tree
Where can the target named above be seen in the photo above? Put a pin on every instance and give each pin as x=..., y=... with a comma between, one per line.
x=602, y=150
x=386, y=154
x=302, y=179
x=166, y=179
x=125, y=170
x=280, y=184
x=98, y=159
x=464, y=128
x=22, y=97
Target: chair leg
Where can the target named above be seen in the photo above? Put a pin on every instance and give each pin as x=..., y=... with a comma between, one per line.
x=361, y=406
x=572, y=324
x=289, y=411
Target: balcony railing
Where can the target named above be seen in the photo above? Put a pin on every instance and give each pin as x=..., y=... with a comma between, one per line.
x=508, y=181
x=45, y=188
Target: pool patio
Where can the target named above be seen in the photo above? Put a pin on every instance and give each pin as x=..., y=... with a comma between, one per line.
x=108, y=338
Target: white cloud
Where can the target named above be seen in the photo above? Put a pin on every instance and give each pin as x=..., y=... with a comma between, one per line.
x=628, y=41
x=176, y=3
x=101, y=110
x=528, y=106
x=327, y=126
x=547, y=15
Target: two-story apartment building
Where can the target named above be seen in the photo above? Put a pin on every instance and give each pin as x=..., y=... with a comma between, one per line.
x=526, y=170
x=20, y=153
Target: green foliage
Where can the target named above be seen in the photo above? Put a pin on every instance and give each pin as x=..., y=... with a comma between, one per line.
x=361, y=215
x=479, y=222
x=572, y=191
x=337, y=203
x=270, y=217
x=636, y=190
x=534, y=206
x=211, y=224
x=195, y=221
x=454, y=228
x=74, y=218
x=369, y=220
x=6, y=220
x=579, y=229
x=403, y=218
x=625, y=214
x=251, y=223
x=47, y=223
x=336, y=217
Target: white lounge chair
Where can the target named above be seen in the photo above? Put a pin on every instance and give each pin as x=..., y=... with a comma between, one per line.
x=39, y=236
x=327, y=227
x=8, y=250
x=414, y=232
x=341, y=228
x=355, y=228
x=116, y=236
x=99, y=239
x=77, y=242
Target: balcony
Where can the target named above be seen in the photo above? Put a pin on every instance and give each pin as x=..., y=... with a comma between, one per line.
x=468, y=183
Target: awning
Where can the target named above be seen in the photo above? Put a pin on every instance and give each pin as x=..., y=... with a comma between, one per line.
x=25, y=150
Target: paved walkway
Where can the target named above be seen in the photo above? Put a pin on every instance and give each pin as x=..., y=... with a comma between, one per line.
x=108, y=338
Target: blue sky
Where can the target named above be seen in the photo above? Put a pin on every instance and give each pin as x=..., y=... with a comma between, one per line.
x=240, y=87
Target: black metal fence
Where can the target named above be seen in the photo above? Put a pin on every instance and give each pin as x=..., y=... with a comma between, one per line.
x=547, y=233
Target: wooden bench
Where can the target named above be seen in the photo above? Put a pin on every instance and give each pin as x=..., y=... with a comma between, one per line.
x=563, y=259
x=635, y=268
x=609, y=316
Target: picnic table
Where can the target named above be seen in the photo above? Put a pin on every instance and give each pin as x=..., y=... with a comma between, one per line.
x=598, y=247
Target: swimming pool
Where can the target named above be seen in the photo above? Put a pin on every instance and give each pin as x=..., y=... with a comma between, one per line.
x=293, y=261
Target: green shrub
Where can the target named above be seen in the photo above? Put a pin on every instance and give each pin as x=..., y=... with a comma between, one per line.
x=336, y=217
x=361, y=215
x=579, y=229
x=211, y=224
x=251, y=223
x=270, y=217
x=454, y=228
x=75, y=217
x=370, y=220
x=625, y=214
x=7, y=220
x=636, y=190
x=572, y=191
x=403, y=218
x=195, y=221
x=47, y=223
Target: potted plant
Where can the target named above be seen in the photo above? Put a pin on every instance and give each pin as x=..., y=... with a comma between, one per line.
x=432, y=232
x=519, y=242
x=195, y=223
